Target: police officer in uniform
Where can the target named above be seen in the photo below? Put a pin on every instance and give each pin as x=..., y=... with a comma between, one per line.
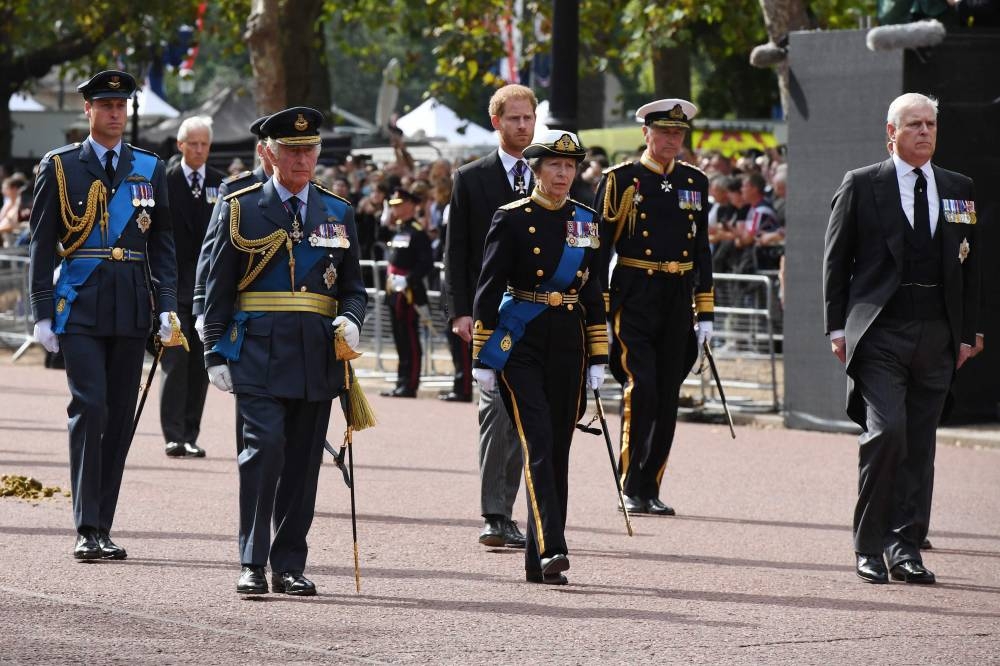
x=654, y=215
x=284, y=275
x=410, y=260
x=539, y=325
x=101, y=206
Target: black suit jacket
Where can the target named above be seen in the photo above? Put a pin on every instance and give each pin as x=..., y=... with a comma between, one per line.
x=480, y=188
x=191, y=217
x=863, y=262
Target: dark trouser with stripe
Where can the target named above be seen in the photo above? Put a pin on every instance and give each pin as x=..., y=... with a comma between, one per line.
x=103, y=375
x=903, y=370
x=500, y=459
x=461, y=358
x=406, y=333
x=540, y=385
x=184, y=385
x=279, y=471
x=649, y=359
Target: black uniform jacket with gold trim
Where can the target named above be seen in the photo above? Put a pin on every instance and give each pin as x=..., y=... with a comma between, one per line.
x=655, y=214
x=523, y=248
x=410, y=254
x=115, y=299
x=284, y=354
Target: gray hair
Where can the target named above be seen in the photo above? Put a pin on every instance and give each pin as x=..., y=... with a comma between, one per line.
x=273, y=145
x=905, y=101
x=194, y=123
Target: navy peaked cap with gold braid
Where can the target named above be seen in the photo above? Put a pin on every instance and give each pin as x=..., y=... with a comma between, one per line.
x=107, y=84
x=297, y=126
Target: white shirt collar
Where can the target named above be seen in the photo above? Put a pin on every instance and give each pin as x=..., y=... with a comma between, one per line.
x=188, y=171
x=903, y=168
x=509, y=161
x=100, y=150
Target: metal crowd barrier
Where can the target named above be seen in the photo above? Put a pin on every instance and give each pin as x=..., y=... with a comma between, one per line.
x=15, y=305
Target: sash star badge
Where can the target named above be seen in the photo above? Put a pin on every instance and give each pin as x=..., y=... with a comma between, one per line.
x=143, y=220
x=329, y=276
x=963, y=250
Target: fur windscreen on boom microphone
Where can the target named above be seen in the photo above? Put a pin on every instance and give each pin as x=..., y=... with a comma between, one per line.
x=768, y=55
x=914, y=35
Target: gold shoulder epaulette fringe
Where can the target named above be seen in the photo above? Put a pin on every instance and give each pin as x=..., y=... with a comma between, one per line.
x=515, y=204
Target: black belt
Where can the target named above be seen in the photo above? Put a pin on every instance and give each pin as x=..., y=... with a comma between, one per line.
x=109, y=253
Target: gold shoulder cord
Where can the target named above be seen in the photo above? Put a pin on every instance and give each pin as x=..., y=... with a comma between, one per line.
x=625, y=209
x=267, y=246
x=97, y=204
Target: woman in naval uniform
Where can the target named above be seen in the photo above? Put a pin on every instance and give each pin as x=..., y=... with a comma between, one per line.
x=539, y=326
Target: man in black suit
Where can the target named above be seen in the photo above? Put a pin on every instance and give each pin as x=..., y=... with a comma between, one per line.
x=901, y=285
x=479, y=189
x=194, y=190
x=101, y=205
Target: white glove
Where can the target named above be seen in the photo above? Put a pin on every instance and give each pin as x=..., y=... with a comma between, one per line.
x=352, y=336
x=486, y=378
x=595, y=376
x=166, y=330
x=704, y=333
x=199, y=326
x=397, y=282
x=220, y=377
x=43, y=333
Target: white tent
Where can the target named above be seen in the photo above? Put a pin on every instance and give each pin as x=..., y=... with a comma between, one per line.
x=542, y=118
x=24, y=102
x=152, y=105
x=434, y=120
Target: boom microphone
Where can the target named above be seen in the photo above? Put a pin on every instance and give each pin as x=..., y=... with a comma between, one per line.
x=768, y=55
x=914, y=35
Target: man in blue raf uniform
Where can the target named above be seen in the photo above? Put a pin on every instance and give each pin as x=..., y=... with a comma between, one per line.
x=654, y=214
x=284, y=275
x=101, y=205
x=410, y=260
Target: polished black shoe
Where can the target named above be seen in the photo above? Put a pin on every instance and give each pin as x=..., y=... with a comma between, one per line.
x=926, y=544
x=193, y=450
x=539, y=577
x=451, y=396
x=658, y=508
x=871, y=568
x=292, y=582
x=252, y=581
x=109, y=549
x=175, y=449
x=555, y=564
x=399, y=392
x=634, y=505
x=512, y=536
x=87, y=547
x=493, y=532
x=912, y=571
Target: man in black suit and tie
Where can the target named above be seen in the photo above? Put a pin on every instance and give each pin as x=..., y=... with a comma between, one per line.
x=194, y=189
x=479, y=189
x=901, y=285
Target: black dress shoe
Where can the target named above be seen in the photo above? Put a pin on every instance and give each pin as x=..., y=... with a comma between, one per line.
x=87, y=547
x=871, y=568
x=292, y=582
x=926, y=544
x=175, y=449
x=399, y=392
x=912, y=571
x=634, y=505
x=539, y=577
x=193, y=450
x=512, y=536
x=658, y=508
x=109, y=549
x=451, y=396
x=252, y=581
x=555, y=564
x=493, y=532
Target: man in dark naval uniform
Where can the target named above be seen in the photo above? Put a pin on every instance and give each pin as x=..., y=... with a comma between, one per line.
x=101, y=205
x=194, y=189
x=654, y=215
x=901, y=285
x=410, y=260
x=283, y=277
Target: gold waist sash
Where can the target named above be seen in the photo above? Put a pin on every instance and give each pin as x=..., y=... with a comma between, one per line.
x=288, y=301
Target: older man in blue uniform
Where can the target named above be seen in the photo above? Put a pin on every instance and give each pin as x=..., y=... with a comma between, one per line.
x=283, y=277
x=101, y=206
x=654, y=215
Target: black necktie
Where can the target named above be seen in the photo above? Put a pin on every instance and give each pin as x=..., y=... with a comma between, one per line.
x=109, y=166
x=921, y=212
x=195, y=185
x=519, y=185
x=293, y=208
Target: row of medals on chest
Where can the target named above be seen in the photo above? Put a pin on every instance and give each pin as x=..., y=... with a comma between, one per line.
x=143, y=197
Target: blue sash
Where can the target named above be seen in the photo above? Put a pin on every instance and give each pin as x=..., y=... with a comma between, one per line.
x=514, y=315
x=75, y=272
x=230, y=344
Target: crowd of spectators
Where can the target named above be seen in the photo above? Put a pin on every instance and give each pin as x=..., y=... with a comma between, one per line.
x=16, y=209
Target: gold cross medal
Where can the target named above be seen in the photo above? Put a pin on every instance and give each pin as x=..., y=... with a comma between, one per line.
x=963, y=250
x=143, y=220
x=329, y=276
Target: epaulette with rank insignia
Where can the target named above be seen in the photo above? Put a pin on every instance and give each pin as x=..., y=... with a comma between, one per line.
x=618, y=166
x=142, y=150
x=691, y=166
x=249, y=188
x=234, y=178
x=582, y=205
x=326, y=191
x=514, y=204
x=61, y=150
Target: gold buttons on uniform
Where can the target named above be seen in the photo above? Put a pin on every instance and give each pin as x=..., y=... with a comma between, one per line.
x=689, y=235
x=302, y=289
x=527, y=209
x=648, y=252
x=569, y=306
x=684, y=253
x=579, y=273
x=531, y=230
x=642, y=216
x=649, y=271
x=539, y=272
x=690, y=181
x=537, y=250
x=690, y=216
x=572, y=291
x=645, y=233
